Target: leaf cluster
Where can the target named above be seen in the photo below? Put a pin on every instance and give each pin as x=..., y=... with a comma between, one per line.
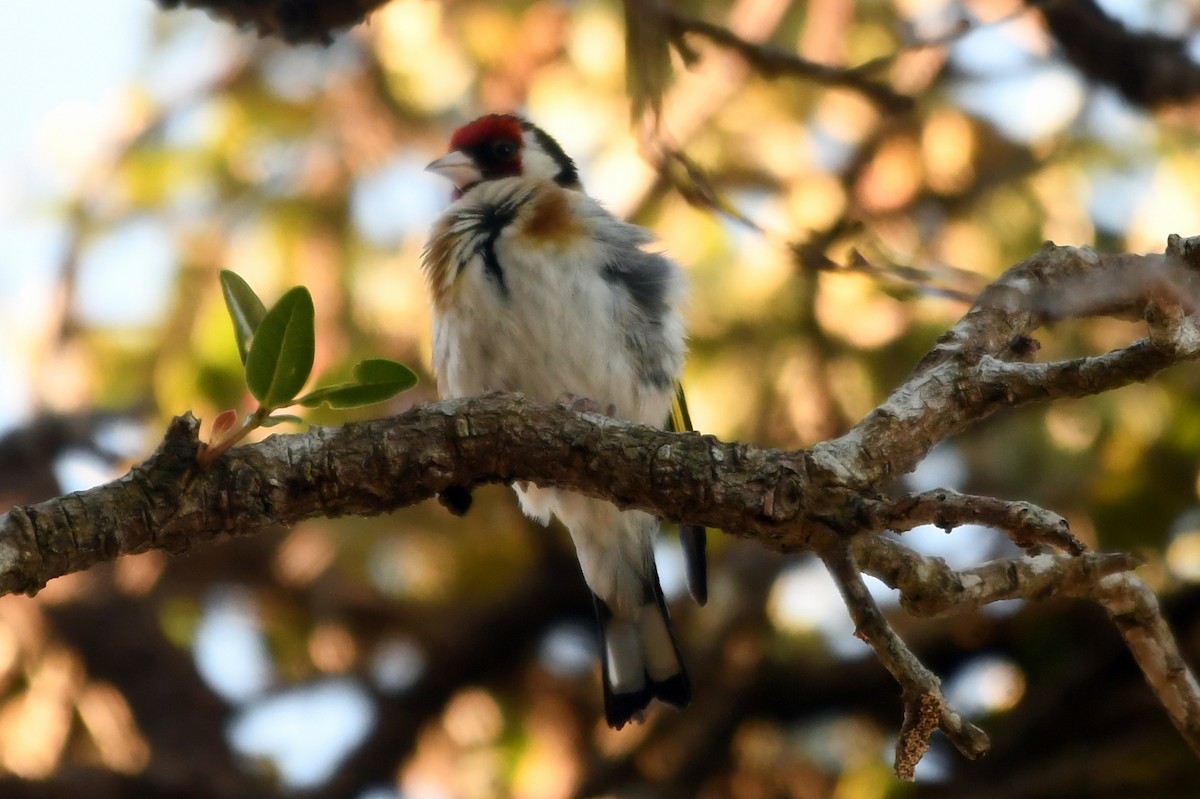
x=277, y=347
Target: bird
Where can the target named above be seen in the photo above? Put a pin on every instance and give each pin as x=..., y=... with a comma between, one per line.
x=537, y=288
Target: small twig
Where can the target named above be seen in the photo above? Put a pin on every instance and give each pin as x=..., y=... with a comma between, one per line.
x=1078, y=377
x=929, y=587
x=698, y=188
x=925, y=707
x=1025, y=523
x=915, y=278
x=954, y=33
x=771, y=62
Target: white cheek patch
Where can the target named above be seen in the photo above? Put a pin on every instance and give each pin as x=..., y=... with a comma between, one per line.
x=535, y=163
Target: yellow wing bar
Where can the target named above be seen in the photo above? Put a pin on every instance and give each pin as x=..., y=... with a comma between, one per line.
x=692, y=538
x=681, y=420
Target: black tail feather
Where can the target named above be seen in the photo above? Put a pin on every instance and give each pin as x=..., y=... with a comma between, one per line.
x=621, y=708
x=693, y=538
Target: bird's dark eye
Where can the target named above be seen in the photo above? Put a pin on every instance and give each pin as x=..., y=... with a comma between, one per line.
x=505, y=149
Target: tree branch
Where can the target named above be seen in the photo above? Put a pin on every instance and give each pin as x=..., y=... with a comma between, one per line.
x=771, y=62
x=827, y=499
x=374, y=467
x=1149, y=69
x=954, y=385
x=929, y=587
x=1133, y=607
x=1027, y=525
x=925, y=707
x=294, y=21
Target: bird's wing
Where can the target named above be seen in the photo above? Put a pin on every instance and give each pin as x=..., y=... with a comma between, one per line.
x=692, y=538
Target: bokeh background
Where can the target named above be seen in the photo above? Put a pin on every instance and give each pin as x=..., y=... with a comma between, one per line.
x=830, y=235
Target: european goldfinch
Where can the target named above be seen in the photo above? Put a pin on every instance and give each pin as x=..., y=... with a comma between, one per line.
x=536, y=288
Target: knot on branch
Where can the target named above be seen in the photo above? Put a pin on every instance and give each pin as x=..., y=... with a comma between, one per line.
x=1172, y=306
x=1186, y=249
x=179, y=448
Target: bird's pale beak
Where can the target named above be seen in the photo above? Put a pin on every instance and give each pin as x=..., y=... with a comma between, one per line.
x=458, y=167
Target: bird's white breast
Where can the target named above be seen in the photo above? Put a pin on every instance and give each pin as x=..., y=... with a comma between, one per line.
x=552, y=323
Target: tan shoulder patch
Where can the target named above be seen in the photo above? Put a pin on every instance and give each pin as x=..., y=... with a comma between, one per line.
x=437, y=261
x=549, y=218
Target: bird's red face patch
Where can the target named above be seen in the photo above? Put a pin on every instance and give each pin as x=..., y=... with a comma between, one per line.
x=493, y=143
x=493, y=127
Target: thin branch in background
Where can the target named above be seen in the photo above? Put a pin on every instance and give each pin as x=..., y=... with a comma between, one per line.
x=914, y=278
x=771, y=62
x=1147, y=68
x=698, y=188
x=954, y=33
x=812, y=251
x=690, y=104
x=294, y=21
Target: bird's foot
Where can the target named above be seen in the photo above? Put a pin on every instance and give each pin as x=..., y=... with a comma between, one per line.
x=578, y=404
x=456, y=499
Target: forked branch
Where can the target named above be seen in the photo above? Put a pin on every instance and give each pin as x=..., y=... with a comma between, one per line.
x=829, y=499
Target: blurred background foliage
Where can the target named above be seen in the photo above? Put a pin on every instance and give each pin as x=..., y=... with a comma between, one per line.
x=832, y=229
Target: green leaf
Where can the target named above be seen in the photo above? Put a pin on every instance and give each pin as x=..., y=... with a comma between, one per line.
x=279, y=418
x=282, y=350
x=377, y=379
x=245, y=309
x=383, y=370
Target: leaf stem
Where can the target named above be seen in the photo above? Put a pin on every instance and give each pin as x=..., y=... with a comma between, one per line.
x=209, y=454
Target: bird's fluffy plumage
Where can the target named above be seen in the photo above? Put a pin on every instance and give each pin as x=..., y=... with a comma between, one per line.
x=539, y=289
